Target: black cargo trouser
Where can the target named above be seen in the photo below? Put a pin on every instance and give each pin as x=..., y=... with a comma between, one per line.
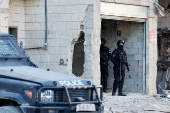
x=119, y=79
x=104, y=75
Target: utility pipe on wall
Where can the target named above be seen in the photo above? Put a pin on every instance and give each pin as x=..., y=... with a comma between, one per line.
x=45, y=44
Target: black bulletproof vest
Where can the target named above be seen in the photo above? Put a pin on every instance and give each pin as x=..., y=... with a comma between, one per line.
x=122, y=57
x=103, y=52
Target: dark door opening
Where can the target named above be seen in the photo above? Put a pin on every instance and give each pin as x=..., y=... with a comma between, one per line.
x=133, y=35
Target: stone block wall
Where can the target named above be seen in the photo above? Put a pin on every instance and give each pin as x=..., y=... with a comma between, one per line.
x=66, y=20
x=17, y=18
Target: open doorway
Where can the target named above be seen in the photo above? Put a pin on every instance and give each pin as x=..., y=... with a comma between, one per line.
x=133, y=35
x=78, y=57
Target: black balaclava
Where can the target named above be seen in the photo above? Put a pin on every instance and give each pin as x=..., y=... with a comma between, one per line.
x=103, y=40
x=121, y=47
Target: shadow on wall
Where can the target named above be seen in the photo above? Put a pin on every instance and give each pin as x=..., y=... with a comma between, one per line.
x=78, y=57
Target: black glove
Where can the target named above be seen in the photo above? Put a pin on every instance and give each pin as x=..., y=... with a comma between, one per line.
x=128, y=68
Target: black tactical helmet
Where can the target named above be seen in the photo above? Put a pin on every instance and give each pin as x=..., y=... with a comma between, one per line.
x=103, y=40
x=120, y=41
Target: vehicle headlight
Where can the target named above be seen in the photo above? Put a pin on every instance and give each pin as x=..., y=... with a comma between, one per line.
x=47, y=96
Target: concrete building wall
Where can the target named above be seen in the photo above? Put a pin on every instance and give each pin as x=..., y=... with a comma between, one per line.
x=66, y=19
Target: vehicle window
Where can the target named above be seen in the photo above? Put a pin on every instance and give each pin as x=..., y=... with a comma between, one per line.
x=6, y=48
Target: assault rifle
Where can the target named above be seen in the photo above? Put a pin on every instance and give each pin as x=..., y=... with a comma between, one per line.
x=105, y=60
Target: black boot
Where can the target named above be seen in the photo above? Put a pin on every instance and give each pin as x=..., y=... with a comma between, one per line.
x=114, y=93
x=120, y=93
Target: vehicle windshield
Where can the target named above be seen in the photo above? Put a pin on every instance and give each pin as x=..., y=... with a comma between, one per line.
x=6, y=48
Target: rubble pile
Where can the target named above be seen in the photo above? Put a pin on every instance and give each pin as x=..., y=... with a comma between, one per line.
x=135, y=103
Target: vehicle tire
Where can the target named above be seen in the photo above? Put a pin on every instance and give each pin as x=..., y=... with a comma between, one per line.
x=10, y=109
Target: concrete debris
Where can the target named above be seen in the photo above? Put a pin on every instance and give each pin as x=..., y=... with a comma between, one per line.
x=135, y=103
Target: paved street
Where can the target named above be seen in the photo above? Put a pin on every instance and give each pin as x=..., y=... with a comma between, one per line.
x=135, y=103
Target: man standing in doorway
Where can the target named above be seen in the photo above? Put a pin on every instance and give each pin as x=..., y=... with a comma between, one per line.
x=119, y=59
x=105, y=56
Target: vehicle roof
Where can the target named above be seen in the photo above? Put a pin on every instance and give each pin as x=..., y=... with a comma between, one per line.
x=9, y=47
x=4, y=34
x=35, y=74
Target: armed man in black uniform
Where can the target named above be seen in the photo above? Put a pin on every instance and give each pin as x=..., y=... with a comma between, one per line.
x=105, y=56
x=119, y=59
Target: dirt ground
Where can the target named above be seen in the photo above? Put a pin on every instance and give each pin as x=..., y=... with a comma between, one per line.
x=135, y=103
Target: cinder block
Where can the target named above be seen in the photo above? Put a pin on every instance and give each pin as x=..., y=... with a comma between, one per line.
x=130, y=57
x=53, y=50
x=140, y=87
x=133, y=26
x=21, y=26
x=34, y=58
x=40, y=18
x=132, y=51
x=132, y=39
x=129, y=81
x=138, y=45
x=140, y=51
x=53, y=66
x=81, y=8
x=139, y=69
x=30, y=18
x=140, y=75
x=56, y=25
x=43, y=58
x=72, y=25
x=39, y=34
x=63, y=2
x=140, y=38
x=78, y=17
x=140, y=62
x=138, y=57
x=138, y=81
x=133, y=63
x=141, y=26
x=131, y=75
x=132, y=69
x=19, y=17
x=128, y=45
x=29, y=34
x=129, y=88
x=136, y=32
x=122, y=26
x=52, y=2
